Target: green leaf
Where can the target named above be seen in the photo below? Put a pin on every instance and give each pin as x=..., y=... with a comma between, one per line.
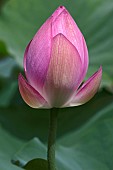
x=35, y=164
x=7, y=92
x=8, y=80
x=35, y=121
x=19, y=21
x=6, y=67
x=84, y=135
x=91, y=147
x=9, y=145
x=88, y=148
x=30, y=148
x=3, y=50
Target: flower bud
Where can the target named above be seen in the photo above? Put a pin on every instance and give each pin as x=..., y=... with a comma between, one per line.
x=55, y=64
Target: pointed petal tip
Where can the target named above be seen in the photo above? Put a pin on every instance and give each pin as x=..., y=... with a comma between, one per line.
x=97, y=74
x=30, y=95
x=88, y=89
x=58, y=11
x=25, y=55
x=100, y=69
x=61, y=7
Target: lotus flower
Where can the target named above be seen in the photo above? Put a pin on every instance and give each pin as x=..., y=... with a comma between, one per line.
x=55, y=64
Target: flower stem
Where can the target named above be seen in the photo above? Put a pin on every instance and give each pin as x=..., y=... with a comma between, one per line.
x=51, y=139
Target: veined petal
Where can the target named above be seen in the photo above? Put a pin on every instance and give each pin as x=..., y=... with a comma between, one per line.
x=25, y=56
x=86, y=57
x=30, y=95
x=63, y=73
x=37, y=56
x=85, y=61
x=87, y=90
x=65, y=24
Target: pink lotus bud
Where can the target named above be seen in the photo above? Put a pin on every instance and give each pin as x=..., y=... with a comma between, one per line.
x=55, y=63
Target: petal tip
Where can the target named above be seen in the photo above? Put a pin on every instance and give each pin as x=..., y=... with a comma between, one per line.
x=58, y=11
x=100, y=69
x=62, y=7
x=98, y=74
x=88, y=89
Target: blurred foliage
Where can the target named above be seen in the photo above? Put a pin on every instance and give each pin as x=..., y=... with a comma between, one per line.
x=3, y=51
x=85, y=133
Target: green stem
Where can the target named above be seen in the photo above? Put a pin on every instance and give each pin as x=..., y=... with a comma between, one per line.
x=51, y=139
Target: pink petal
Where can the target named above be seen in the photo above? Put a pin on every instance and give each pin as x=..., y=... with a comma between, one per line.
x=63, y=73
x=30, y=95
x=25, y=56
x=64, y=23
x=37, y=56
x=57, y=12
x=87, y=90
x=86, y=59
